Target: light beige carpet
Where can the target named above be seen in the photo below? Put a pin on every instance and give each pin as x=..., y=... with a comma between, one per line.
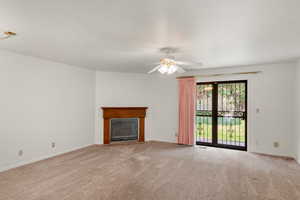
x=154, y=171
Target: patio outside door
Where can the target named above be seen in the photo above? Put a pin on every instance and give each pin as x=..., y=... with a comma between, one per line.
x=221, y=114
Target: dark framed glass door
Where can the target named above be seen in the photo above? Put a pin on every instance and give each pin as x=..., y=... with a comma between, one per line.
x=221, y=114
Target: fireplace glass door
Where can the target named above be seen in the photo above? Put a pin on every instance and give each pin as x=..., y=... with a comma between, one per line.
x=123, y=129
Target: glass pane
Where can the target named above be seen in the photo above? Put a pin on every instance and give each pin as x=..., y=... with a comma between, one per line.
x=231, y=114
x=204, y=113
x=204, y=129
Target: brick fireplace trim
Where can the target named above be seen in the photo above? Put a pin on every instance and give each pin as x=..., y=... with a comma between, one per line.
x=123, y=112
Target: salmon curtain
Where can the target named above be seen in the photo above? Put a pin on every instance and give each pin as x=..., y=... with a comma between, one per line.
x=187, y=107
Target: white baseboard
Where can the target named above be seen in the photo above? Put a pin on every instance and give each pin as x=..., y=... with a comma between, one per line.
x=19, y=164
x=167, y=141
x=282, y=155
x=161, y=141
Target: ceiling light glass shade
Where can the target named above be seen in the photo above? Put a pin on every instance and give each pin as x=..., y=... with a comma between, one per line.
x=168, y=69
x=172, y=69
x=167, y=66
x=163, y=69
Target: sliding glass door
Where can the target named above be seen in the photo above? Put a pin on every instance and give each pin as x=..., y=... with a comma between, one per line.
x=221, y=115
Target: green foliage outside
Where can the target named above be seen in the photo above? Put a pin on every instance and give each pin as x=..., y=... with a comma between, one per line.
x=231, y=129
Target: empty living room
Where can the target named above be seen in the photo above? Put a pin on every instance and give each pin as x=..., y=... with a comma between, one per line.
x=150, y=100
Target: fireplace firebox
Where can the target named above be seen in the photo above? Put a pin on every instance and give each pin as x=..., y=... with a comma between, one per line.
x=124, y=129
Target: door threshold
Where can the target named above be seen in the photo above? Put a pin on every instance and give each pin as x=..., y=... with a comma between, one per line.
x=222, y=146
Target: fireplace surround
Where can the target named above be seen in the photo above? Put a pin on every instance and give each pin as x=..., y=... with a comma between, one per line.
x=111, y=113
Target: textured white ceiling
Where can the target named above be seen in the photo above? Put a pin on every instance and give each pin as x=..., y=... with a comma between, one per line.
x=125, y=35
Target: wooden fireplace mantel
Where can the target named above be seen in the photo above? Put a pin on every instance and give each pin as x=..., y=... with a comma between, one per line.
x=123, y=112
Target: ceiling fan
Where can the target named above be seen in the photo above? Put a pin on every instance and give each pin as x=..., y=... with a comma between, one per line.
x=168, y=64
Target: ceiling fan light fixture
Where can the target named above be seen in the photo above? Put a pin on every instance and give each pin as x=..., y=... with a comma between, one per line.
x=6, y=34
x=168, y=65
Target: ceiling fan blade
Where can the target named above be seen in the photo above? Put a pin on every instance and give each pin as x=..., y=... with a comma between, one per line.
x=180, y=70
x=191, y=67
x=185, y=63
x=154, y=69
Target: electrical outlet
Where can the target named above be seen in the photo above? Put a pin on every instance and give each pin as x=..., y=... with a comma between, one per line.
x=276, y=144
x=53, y=144
x=20, y=153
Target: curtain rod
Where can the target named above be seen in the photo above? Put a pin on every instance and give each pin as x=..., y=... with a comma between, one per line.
x=224, y=74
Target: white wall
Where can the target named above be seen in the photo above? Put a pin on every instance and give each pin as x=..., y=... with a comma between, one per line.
x=43, y=102
x=125, y=89
x=297, y=114
x=271, y=91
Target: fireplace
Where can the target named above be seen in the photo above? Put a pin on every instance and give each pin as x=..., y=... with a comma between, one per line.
x=123, y=124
